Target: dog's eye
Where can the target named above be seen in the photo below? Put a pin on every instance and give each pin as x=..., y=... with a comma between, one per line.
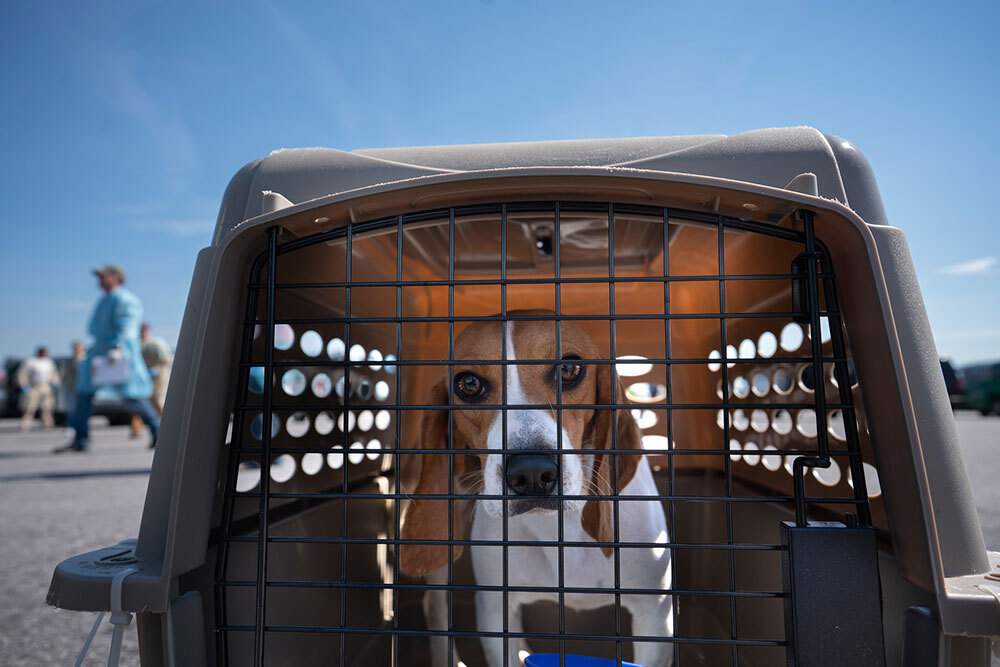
x=570, y=374
x=470, y=387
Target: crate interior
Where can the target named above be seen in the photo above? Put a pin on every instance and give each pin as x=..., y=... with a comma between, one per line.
x=339, y=397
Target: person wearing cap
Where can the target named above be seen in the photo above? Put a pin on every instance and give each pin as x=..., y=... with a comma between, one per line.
x=115, y=328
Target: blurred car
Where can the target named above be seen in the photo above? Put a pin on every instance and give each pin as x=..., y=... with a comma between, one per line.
x=3, y=391
x=982, y=388
x=954, y=380
x=11, y=404
x=12, y=391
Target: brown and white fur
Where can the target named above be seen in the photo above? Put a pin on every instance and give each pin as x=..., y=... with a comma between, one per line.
x=533, y=518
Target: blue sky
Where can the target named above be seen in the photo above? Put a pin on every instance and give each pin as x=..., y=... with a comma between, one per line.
x=121, y=123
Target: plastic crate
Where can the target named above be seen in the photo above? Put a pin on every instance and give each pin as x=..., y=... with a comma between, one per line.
x=765, y=323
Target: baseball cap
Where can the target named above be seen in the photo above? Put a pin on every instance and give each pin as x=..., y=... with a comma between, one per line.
x=111, y=270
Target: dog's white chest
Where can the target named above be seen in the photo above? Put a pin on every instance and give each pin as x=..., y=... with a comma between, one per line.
x=574, y=567
x=583, y=567
x=546, y=569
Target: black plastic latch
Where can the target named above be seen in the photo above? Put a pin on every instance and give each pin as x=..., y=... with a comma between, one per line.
x=833, y=598
x=801, y=306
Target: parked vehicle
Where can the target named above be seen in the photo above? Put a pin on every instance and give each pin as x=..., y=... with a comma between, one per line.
x=982, y=388
x=3, y=391
x=954, y=381
x=11, y=388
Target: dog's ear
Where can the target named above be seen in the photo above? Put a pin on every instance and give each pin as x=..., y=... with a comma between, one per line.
x=427, y=519
x=598, y=515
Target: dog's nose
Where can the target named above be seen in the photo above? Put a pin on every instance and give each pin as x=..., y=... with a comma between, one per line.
x=532, y=474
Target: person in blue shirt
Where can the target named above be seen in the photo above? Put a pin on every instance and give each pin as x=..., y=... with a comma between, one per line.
x=115, y=328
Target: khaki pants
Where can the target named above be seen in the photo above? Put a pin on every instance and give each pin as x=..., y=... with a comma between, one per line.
x=159, y=395
x=160, y=383
x=39, y=397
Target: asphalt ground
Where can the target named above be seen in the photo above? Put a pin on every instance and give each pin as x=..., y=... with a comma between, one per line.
x=53, y=507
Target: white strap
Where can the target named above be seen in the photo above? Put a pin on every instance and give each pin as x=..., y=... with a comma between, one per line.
x=120, y=619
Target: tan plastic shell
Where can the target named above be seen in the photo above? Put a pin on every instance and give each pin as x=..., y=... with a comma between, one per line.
x=935, y=531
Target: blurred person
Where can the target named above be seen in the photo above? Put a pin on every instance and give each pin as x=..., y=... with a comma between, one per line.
x=37, y=376
x=156, y=354
x=70, y=372
x=115, y=328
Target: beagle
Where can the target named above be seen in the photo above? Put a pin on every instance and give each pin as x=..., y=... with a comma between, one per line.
x=532, y=485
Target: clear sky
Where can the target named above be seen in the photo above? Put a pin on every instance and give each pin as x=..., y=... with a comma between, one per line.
x=121, y=123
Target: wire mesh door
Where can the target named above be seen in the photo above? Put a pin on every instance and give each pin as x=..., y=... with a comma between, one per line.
x=478, y=433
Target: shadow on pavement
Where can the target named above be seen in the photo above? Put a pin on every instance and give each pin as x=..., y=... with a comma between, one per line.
x=75, y=475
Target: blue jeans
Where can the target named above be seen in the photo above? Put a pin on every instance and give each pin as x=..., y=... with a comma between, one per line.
x=84, y=407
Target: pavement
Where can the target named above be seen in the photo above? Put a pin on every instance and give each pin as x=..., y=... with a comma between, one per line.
x=980, y=440
x=53, y=507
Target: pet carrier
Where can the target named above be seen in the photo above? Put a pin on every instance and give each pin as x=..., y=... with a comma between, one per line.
x=720, y=337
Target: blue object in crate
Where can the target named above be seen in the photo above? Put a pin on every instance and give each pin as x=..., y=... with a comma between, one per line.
x=552, y=660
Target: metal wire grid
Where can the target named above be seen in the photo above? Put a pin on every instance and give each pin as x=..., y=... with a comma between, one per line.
x=812, y=266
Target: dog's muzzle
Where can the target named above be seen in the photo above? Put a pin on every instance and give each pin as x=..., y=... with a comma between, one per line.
x=535, y=476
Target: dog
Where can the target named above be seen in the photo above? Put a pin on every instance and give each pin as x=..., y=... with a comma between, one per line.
x=533, y=483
